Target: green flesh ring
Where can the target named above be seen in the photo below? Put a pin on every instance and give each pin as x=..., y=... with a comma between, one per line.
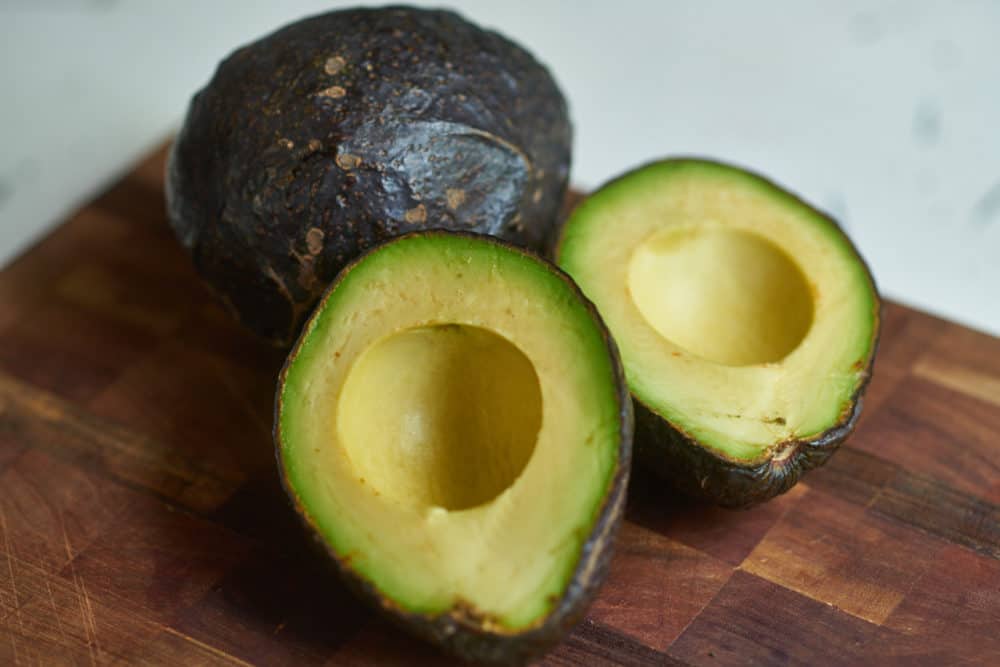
x=746, y=320
x=455, y=428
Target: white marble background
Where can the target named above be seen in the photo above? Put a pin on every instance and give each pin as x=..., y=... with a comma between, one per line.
x=885, y=113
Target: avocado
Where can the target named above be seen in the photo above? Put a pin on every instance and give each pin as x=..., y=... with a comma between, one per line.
x=746, y=319
x=454, y=428
x=342, y=130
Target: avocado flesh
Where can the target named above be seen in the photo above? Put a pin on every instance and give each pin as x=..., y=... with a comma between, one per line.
x=744, y=317
x=453, y=426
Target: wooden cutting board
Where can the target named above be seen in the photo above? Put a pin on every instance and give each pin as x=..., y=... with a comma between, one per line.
x=141, y=519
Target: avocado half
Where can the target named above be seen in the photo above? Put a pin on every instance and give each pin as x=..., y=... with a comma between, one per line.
x=342, y=130
x=746, y=319
x=454, y=428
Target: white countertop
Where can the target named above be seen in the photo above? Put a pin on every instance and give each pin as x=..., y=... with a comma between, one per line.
x=885, y=114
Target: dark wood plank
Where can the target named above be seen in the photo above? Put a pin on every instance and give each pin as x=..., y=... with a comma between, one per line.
x=934, y=431
x=915, y=500
x=906, y=336
x=67, y=350
x=942, y=511
x=276, y=609
x=756, y=622
x=169, y=647
x=838, y=553
x=31, y=417
x=379, y=643
x=656, y=587
x=594, y=644
x=158, y=559
x=953, y=611
x=724, y=534
x=853, y=475
x=60, y=621
x=141, y=520
x=51, y=510
x=966, y=351
x=203, y=405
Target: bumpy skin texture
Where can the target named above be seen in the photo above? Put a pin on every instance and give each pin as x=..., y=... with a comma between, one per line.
x=342, y=130
x=462, y=630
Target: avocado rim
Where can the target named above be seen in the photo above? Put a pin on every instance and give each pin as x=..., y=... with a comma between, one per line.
x=678, y=457
x=464, y=630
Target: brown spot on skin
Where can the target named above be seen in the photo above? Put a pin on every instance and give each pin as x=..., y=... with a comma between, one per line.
x=334, y=92
x=307, y=270
x=347, y=161
x=305, y=182
x=456, y=197
x=334, y=64
x=314, y=240
x=307, y=275
x=416, y=215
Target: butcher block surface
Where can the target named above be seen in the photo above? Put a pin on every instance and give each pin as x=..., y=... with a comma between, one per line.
x=141, y=519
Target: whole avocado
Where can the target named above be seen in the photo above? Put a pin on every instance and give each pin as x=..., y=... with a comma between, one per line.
x=345, y=129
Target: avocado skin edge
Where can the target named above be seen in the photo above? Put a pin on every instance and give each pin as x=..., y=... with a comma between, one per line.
x=459, y=630
x=339, y=131
x=699, y=472
x=696, y=471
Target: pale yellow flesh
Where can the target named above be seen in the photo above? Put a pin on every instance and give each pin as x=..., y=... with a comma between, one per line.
x=741, y=316
x=442, y=416
x=450, y=427
x=755, y=310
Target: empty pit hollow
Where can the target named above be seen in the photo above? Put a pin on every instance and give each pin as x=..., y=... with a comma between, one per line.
x=440, y=416
x=726, y=295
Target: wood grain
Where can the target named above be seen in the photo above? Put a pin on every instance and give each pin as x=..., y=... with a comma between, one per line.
x=141, y=520
x=754, y=621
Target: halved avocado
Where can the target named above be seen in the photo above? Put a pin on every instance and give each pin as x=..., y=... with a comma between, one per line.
x=454, y=427
x=747, y=323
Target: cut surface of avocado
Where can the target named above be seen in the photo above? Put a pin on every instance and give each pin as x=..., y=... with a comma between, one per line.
x=469, y=409
x=745, y=318
x=454, y=424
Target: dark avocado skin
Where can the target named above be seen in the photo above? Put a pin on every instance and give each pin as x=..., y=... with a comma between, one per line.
x=463, y=631
x=700, y=472
x=342, y=130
